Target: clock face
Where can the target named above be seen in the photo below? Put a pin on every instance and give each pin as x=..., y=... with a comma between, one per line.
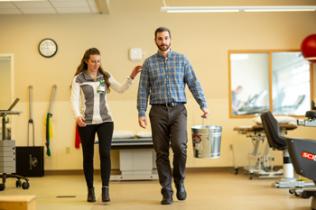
x=47, y=47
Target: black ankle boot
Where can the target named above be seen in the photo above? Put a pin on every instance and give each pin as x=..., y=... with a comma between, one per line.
x=105, y=194
x=166, y=197
x=181, y=192
x=91, y=195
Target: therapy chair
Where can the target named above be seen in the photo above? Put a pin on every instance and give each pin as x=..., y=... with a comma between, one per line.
x=276, y=141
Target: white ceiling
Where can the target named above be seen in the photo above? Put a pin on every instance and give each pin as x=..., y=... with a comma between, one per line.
x=54, y=7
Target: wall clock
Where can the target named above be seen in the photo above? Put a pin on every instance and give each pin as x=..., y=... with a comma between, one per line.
x=47, y=47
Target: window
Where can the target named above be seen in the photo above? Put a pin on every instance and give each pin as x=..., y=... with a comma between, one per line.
x=279, y=81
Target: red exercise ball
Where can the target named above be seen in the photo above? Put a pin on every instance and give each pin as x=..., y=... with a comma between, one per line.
x=308, y=48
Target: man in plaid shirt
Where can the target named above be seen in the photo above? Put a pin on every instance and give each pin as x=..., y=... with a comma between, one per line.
x=163, y=79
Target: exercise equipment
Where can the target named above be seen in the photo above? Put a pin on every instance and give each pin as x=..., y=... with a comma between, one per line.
x=77, y=137
x=7, y=153
x=308, y=48
x=276, y=141
x=304, y=164
x=49, y=116
x=302, y=153
x=309, y=120
x=30, y=158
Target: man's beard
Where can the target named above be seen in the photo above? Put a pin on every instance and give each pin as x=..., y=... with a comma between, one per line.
x=163, y=48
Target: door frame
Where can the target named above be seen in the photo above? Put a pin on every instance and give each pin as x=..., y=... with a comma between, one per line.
x=11, y=58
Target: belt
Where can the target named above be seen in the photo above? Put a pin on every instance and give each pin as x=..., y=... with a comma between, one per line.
x=173, y=104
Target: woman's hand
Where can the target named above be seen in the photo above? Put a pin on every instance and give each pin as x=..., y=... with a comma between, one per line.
x=135, y=71
x=80, y=121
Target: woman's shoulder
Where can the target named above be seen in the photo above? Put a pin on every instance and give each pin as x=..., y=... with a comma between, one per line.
x=111, y=78
x=79, y=77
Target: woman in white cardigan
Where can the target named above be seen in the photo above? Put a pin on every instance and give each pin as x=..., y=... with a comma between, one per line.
x=89, y=103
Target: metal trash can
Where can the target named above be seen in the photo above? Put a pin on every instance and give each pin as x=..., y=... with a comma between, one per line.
x=206, y=141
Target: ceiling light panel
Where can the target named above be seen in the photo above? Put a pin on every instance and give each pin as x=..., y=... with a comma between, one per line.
x=8, y=8
x=20, y=0
x=35, y=7
x=72, y=6
x=49, y=7
x=216, y=9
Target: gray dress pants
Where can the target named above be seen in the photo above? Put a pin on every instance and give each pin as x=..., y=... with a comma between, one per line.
x=169, y=128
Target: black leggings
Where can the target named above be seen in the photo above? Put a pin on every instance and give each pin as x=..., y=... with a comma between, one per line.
x=87, y=136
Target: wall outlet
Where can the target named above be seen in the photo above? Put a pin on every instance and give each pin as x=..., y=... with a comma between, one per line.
x=67, y=150
x=231, y=147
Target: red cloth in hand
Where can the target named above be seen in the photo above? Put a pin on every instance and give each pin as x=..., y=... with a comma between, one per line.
x=77, y=139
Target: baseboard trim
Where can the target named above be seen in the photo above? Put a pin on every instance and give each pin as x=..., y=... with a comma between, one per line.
x=209, y=169
x=117, y=171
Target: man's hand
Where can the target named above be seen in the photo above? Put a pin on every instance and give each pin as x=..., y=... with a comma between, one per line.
x=142, y=122
x=80, y=121
x=205, y=113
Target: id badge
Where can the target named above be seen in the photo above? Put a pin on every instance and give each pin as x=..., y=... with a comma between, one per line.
x=101, y=87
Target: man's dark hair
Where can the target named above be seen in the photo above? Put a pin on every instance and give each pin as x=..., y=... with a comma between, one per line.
x=162, y=29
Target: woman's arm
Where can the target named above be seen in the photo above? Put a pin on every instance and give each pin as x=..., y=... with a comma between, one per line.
x=118, y=87
x=75, y=102
x=75, y=98
x=121, y=88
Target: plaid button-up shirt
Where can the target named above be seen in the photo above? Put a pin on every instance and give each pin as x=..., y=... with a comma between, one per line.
x=164, y=80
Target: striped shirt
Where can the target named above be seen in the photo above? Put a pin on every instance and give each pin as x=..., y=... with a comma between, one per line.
x=164, y=80
x=88, y=97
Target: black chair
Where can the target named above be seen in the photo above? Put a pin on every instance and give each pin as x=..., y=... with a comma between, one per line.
x=302, y=152
x=279, y=142
x=272, y=131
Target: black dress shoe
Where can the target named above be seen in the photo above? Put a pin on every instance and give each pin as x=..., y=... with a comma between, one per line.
x=105, y=194
x=91, y=195
x=181, y=193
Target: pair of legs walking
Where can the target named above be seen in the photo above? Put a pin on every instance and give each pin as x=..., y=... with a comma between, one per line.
x=169, y=128
x=87, y=136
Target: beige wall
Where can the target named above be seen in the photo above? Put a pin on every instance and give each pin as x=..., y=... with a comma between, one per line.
x=203, y=38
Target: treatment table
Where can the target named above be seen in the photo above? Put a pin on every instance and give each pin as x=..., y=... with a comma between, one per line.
x=136, y=158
